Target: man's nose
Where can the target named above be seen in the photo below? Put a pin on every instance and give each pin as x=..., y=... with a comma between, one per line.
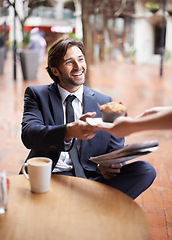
x=77, y=65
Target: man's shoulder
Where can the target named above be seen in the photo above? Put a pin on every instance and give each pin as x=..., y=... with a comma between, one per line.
x=100, y=95
x=41, y=88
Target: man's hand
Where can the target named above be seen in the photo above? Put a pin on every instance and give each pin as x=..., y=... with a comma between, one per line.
x=110, y=172
x=80, y=129
x=87, y=115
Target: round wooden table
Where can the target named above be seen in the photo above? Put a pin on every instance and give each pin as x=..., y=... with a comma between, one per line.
x=73, y=209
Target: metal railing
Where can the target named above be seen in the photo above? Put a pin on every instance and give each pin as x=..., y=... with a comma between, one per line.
x=44, y=12
x=49, y=12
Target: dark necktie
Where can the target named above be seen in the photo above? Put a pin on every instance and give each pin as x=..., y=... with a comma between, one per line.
x=79, y=172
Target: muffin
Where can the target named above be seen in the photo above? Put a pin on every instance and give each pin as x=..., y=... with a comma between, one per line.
x=111, y=110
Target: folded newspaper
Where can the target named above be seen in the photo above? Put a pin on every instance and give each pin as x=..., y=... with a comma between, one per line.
x=127, y=153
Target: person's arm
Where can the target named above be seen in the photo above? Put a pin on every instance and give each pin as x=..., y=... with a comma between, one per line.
x=124, y=126
x=155, y=110
x=158, y=121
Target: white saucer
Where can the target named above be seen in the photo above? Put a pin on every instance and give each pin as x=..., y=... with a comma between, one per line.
x=98, y=122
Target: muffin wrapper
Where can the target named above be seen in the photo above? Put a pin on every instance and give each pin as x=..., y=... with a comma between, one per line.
x=110, y=117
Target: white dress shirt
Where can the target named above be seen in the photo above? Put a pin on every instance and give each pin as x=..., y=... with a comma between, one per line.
x=64, y=163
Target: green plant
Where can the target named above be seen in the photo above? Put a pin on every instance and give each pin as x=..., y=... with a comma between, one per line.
x=167, y=54
x=132, y=51
x=73, y=36
x=8, y=44
x=152, y=6
x=26, y=38
x=169, y=10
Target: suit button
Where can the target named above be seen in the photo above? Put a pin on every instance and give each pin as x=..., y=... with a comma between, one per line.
x=52, y=146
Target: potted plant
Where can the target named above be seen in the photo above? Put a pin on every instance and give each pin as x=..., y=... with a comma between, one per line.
x=152, y=7
x=133, y=54
x=28, y=59
x=2, y=53
x=2, y=59
x=169, y=10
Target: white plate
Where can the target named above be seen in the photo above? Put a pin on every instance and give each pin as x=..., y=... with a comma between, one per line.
x=98, y=122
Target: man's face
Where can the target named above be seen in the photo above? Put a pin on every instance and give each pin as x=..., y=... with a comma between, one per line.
x=72, y=69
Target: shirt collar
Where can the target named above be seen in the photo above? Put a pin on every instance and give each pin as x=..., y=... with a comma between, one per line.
x=64, y=93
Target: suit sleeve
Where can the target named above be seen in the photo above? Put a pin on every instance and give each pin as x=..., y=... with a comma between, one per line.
x=36, y=133
x=115, y=143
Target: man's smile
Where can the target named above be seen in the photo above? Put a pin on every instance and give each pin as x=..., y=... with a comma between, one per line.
x=76, y=74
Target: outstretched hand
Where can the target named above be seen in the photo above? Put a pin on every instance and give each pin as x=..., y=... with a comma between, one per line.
x=120, y=127
x=150, y=111
x=80, y=128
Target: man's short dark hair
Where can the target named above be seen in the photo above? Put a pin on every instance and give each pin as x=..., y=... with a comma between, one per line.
x=57, y=52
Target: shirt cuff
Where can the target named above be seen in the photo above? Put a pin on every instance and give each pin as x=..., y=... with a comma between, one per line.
x=68, y=144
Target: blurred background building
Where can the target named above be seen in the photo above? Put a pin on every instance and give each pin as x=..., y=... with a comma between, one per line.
x=125, y=30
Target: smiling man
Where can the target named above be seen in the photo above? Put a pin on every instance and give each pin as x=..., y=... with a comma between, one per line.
x=48, y=130
x=71, y=70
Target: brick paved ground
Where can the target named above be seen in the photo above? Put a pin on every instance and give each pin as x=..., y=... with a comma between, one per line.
x=137, y=87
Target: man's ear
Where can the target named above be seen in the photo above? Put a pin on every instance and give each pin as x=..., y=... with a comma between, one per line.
x=55, y=71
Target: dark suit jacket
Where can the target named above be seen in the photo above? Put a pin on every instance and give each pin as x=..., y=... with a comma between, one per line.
x=43, y=127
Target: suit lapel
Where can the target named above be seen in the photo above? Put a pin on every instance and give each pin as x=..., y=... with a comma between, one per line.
x=89, y=105
x=89, y=101
x=56, y=104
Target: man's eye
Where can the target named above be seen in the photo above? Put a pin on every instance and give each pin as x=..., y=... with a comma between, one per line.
x=68, y=62
x=81, y=59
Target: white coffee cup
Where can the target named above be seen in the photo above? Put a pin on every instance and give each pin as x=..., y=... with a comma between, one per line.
x=3, y=191
x=39, y=173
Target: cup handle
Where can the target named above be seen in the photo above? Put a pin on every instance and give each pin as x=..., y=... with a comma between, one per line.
x=24, y=170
